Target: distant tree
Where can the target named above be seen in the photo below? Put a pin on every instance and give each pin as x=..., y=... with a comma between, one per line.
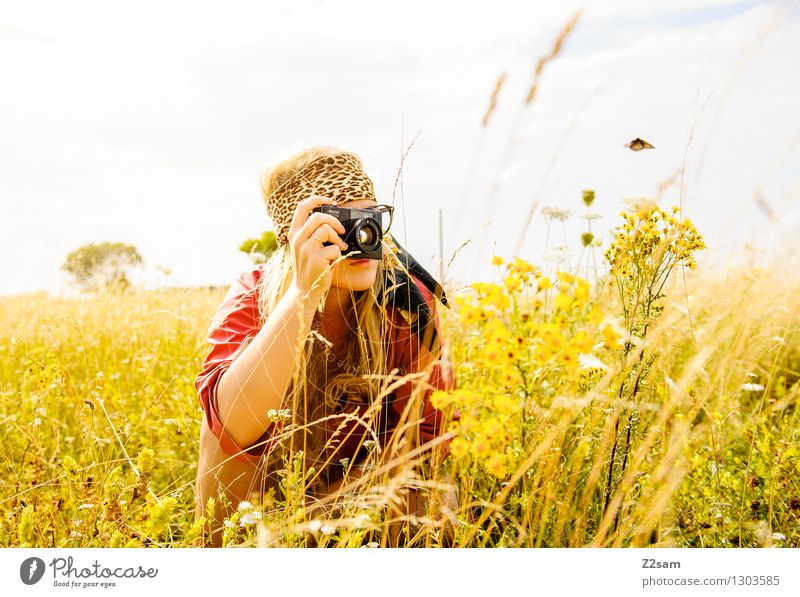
x=102, y=265
x=259, y=249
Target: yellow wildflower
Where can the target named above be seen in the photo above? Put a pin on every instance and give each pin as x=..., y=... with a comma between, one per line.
x=496, y=466
x=441, y=399
x=459, y=447
x=481, y=448
x=611, y=337
x=484, y=288
x=569, y=358
x=502, y=436
x=462, y=301
x=492, y=426
x=521, y=266
x=504, y=404
x=492, y=352
x=645, y=208
x=499, y=300
x=469, y=314
x=563, y=302
x=511, y=376
x=582, y=342
x=565, y=278
x=467, y=398
x=512, y=283
x=581, y=292
x=552, y=337
x=495, y=331
x=510, y=354
x=541, y=354
x=560, y=320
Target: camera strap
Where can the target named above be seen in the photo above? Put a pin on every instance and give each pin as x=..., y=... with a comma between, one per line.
x=404, y=294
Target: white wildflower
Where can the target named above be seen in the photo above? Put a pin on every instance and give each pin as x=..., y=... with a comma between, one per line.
x=276, y=416
x=361, y=521
x=778, y=537
x=250, y=518
x=551, y=212
x=752, y=387
x=589, y=361
x=314, y=526
x=245, y=505
x=327, y=529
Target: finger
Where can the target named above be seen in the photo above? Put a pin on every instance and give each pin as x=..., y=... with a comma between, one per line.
x=318, y=219
x=316, y=241
x=330, y=253
x=302, y=211
x=324, y=233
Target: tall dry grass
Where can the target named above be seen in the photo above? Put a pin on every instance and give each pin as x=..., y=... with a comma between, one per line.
x=98, y=394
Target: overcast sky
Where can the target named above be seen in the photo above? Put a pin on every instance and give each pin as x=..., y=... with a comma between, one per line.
x=150, y=125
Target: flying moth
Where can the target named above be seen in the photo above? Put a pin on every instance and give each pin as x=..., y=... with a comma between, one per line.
x=638, y=144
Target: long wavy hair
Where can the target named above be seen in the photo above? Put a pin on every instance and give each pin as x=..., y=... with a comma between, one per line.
x=359, y=365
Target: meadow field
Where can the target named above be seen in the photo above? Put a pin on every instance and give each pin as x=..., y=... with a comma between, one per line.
x=652, y=405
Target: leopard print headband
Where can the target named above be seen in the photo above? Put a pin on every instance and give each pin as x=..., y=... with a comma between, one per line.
x=339, y=176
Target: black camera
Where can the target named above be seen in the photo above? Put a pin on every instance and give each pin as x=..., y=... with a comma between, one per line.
x=364, y=228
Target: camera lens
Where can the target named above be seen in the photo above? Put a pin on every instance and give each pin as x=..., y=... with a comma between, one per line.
x=367, y=234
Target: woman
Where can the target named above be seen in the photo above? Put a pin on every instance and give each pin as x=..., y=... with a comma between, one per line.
x=318, y=351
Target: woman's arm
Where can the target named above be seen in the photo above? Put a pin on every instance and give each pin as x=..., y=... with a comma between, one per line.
x=256, y=381
x=258, y=378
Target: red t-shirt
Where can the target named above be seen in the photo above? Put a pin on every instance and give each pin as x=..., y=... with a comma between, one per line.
x=236, y=321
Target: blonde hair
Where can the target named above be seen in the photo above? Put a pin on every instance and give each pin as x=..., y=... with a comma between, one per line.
x=365, y=350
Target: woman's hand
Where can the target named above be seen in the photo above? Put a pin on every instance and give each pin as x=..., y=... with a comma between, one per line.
x=307, y=233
